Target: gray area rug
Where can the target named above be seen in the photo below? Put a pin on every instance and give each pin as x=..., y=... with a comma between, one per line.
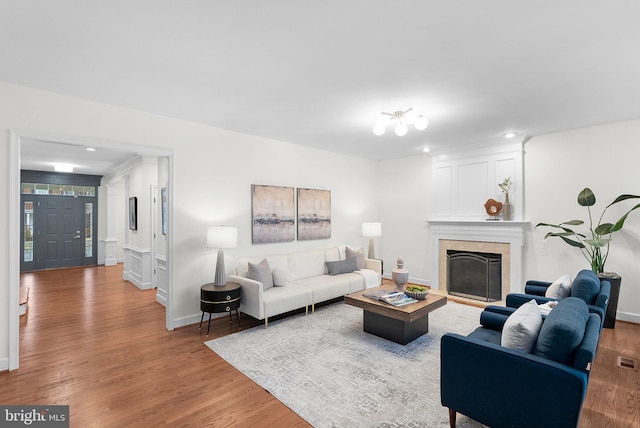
x=331, y=373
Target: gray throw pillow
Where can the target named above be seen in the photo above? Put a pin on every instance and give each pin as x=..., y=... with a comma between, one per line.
x=261, y=272
x=341, y=266
x=358, y=255
x=280, y=277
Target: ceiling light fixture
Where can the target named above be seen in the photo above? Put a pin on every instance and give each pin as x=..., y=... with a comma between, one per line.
x=399, y=120
x=63, y=167
x=509, y=135
x=90, y=149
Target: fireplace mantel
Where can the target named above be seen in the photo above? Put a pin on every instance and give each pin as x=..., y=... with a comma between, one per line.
x=489, y=231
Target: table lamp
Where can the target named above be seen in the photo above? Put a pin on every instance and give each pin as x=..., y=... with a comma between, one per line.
x=221, y=237
x=371, y=230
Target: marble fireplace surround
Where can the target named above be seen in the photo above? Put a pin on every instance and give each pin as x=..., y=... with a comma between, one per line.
x=500, y=237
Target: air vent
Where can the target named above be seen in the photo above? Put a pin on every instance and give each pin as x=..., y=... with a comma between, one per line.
x=627, y=363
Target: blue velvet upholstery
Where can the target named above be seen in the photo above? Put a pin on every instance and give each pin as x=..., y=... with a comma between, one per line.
x=586, y=286
x=534, y=289
x=563, y=331
x=502, y=387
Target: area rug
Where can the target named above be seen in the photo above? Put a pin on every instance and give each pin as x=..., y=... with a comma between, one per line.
x=331, y=373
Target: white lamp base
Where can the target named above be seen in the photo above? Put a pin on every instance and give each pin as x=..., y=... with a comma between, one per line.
x=372, y=253
x=220, y=278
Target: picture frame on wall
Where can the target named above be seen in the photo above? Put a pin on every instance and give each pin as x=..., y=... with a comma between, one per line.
x=272, y=214
x=314, y=214
x=133, y=213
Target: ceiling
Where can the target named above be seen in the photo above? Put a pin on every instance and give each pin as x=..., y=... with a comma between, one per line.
x=318, y=73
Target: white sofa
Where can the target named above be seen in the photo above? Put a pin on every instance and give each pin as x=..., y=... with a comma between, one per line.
x=302, y=280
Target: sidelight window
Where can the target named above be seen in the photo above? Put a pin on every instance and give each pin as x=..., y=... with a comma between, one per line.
x=28, y=231
x=88, y=229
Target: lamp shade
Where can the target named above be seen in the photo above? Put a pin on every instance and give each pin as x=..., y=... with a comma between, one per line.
x=222, y=237
x=371, y=229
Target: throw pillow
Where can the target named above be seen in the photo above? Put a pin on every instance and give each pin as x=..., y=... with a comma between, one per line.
x=280, y=277
x=560, y=288
x=521, y=329
x=586, y=286
x=358, y=255
x=261, y=272
x=341, y=266
x=563, y=331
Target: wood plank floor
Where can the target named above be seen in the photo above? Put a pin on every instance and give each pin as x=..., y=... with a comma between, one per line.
x=98, y=344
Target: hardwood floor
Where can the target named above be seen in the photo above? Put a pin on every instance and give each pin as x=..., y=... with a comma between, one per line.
x=98, y=344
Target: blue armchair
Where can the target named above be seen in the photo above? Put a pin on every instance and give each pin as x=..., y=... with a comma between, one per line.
x=586, y=286
x=503, y=387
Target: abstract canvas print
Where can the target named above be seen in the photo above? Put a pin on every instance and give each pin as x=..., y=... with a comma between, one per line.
x=314, y=214
x=273, y=214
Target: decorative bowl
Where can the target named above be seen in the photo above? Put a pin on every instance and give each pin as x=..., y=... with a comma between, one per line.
x=419, y=295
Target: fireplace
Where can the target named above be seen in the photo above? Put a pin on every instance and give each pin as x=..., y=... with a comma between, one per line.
x=494, y=237
x=474, y=275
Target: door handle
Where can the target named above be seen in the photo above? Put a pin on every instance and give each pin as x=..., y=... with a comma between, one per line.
x=76, y=237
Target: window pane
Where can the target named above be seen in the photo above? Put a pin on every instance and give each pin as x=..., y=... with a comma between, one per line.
x=54, y=189
x=88, y=229
x=42, y=189
x=28, y=188
x=28, y=231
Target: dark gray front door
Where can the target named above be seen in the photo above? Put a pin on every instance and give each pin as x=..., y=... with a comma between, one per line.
x=60, y=238
x=58, y=231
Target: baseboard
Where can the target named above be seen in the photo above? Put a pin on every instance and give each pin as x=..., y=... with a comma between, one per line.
x=628, y=317
x=195, y=319
x=4, y=364
x=412, y=280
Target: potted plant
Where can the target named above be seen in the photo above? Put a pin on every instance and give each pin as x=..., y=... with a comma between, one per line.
x=594, y=243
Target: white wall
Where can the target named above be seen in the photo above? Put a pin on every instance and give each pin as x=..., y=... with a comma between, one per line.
x=557, y=167
x=213, y=171
x=403, y=189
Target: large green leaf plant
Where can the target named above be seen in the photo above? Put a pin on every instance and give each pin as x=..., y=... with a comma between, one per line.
x=594, y=245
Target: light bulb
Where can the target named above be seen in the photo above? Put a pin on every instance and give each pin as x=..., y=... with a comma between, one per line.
x=410, y=117
x=401, y=129
x=421, y=123
x=379, y=128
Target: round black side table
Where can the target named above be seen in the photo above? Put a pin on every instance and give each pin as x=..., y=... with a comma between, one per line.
x=219, y=298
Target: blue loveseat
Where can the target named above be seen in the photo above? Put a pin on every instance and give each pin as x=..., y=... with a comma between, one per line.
x=504, y=387
x=586, y=286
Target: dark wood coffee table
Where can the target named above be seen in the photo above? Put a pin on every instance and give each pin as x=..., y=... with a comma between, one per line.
x=399, y=324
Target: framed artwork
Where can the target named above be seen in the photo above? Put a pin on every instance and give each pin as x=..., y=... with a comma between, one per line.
x=133, y=213
x=314, y=214
x=163, y=200
x=273, y=214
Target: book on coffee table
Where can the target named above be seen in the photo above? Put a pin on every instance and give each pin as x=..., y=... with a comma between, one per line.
x=395, y=298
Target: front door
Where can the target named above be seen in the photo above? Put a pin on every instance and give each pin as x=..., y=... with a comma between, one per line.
x=59, y=241
x=60, y=234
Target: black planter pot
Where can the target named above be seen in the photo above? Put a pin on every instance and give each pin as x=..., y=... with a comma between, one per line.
x=612, y=309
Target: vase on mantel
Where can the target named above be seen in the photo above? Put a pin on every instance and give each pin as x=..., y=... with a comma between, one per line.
x=506, y=208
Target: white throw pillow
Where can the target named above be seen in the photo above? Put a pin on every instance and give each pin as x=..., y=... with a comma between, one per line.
x=261, y=272
x=350, y=253
x=560, y=288
x=521, y=329
x=280, y=277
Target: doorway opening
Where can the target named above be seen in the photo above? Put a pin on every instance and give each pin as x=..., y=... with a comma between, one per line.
x=15, y=141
